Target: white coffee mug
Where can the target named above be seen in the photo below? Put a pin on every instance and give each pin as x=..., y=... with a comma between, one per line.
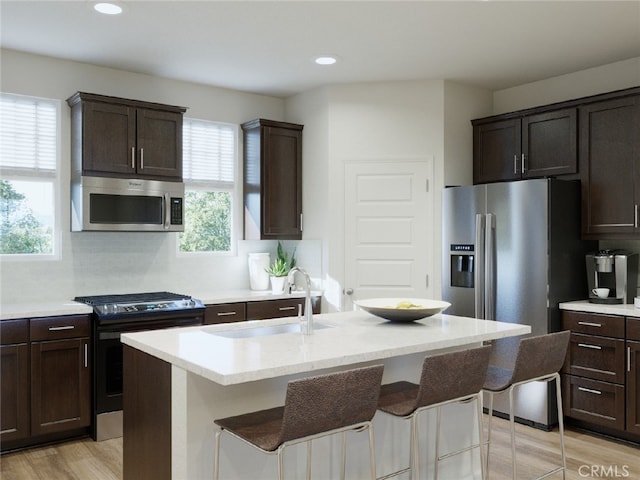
x=600, y=292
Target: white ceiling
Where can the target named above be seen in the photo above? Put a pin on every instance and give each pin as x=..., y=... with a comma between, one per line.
x=267, y=46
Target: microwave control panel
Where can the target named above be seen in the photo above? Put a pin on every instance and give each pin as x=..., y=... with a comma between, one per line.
x=176, y=211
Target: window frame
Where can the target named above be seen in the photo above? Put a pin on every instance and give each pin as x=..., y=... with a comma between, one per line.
x=235, y=191
x=32, y=175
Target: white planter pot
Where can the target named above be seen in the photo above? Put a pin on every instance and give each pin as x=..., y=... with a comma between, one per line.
x=277, y=284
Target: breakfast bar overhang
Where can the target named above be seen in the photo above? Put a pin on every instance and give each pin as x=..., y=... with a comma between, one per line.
x=177, y=381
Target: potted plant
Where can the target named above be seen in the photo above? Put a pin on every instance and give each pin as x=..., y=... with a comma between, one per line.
x=280, y=268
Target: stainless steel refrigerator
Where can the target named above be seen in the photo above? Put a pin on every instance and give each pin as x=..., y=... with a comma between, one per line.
x=512, y=252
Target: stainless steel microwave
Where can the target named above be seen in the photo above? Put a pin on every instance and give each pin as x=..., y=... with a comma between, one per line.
x=126, y=205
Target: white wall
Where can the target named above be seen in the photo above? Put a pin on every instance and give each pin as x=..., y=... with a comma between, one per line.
x=94, y=263
x=602, y=79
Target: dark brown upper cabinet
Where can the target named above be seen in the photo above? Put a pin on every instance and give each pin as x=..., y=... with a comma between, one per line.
x=117, y=137
x=272, y=180
x=517, y=146
x=610, y=168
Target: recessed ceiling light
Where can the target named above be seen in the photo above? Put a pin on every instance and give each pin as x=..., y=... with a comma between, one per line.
x=326, y=60
x=108, y=8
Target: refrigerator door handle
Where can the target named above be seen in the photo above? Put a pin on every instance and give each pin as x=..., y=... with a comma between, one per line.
x=489, y=270
x=479, y=270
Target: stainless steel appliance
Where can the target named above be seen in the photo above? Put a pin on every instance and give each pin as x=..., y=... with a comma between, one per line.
x=117, y=314
x=616, y=270
x=512, y=252
x=120, y=204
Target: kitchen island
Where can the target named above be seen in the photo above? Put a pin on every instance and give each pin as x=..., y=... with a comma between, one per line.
x=177, y=381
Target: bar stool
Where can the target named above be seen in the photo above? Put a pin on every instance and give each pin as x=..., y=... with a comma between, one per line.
x=446, y=378
x=538, y=358
x=314, y=407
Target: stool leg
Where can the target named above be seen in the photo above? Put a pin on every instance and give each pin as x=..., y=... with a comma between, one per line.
x=216, y=457
x=413, y=449
x=489, y=433
x=280, y=455
x=344, y=455
x=512, y=424
x=561, y=424
x=372, y=453
x=483, y=472
x=308, y=459
x=437, y=465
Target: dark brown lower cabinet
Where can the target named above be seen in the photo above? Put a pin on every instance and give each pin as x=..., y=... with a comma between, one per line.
x=14, y=380
x=45, y=380
x=60, y=388
x=601, y=374
x=633, y=375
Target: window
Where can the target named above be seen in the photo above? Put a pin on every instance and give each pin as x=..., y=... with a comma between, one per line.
x=209, y=171
x=28, y=167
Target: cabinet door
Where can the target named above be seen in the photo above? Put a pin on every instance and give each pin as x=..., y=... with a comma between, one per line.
x=60, y=388
x=496, y=151
x=550, y=144
x=601, y=403
x=159, y=137
x=595, y=357
x=633, y=387
x=610, y=169
x=282, y=183
x=287, y=307
x=14, y=390
x=108, y=139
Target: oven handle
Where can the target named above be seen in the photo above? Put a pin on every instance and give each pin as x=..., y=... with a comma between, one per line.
x=110, y=334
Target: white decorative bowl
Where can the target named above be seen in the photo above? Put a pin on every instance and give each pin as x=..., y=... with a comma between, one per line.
x=387, y=308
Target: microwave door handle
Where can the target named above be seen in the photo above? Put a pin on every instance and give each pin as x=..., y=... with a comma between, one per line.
x=167, y=211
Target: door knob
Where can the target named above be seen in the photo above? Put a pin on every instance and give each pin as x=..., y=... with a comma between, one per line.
x=348, y=291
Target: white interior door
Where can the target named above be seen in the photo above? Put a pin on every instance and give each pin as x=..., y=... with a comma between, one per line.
x=388, y=230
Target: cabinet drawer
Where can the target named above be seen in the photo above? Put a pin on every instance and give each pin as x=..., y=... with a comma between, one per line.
x=55, y=328
x=633, y=328
x=597, y=402
x=14, y=331
x=274, y=308
x=599, y=358
x=593, y=324
x=225, y=312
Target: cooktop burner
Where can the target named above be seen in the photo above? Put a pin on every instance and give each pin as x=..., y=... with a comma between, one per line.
x=139, y=303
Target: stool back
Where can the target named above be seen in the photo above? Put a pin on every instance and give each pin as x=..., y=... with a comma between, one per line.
x=540, y=355
x=452, y=375
x=325, y=402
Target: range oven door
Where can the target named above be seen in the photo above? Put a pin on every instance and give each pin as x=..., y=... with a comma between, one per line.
x=107, y=394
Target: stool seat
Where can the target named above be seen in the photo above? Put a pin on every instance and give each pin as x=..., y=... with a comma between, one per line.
x=314, y=407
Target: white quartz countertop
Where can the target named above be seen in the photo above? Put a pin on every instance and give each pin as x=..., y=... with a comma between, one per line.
x=353, y=337
x=627, y=310
x=10, y=311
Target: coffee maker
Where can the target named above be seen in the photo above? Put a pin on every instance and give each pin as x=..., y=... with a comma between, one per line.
x=616, y=270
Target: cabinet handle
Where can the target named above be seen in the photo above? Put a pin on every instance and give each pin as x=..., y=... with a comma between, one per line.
x=133, y=157
x=590, y=324
x=586, y=345
x=523, y=164
x=282, y=309
x=224, y=314
x=142, y=159
x=66, y=327
x=628, y=359
x=635, y=215
x=515, y=164
x=86, y=355
x=589, y=390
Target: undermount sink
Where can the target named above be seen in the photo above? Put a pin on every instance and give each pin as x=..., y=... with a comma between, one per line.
x=266, y=331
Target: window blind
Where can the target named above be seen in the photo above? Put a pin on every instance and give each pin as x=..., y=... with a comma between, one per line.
x=208, y=152
x=28, y=134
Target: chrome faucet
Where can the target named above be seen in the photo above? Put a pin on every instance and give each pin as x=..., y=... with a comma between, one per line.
x=307, y=326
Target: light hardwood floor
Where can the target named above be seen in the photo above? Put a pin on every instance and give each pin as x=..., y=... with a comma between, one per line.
x=588, y=457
